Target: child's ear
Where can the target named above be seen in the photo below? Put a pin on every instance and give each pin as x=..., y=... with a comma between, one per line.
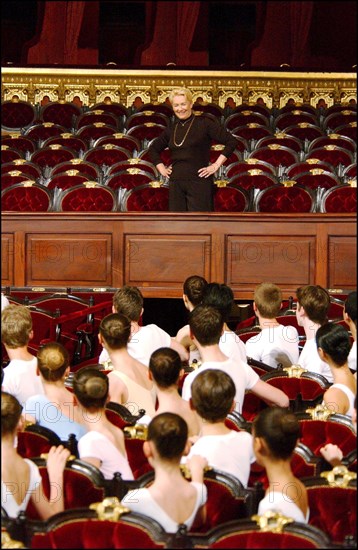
x=187, y=447
x=150, y=376
x=232, y=408
x=147, y=449
x=191, y=405
x=31, y=334
x=321, y=354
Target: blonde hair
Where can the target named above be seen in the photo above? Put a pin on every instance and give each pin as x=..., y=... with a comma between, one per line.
x=16, y=325
x=181, y=91
x=53, y=360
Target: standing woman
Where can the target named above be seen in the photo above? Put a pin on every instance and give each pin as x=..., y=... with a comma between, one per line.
x=189, y=139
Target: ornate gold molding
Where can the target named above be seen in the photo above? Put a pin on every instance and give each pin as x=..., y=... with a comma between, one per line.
x=93, y=86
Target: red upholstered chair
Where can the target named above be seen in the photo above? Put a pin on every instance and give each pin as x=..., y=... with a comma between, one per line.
x=291, y=118
x=82, y=166
x=17, y=114
x=269, y=531
x=146, y=198
x=342, y=198
x=135, y=435
x=97, y=115
x=60, y=112
x=235, y=421
x=146, y=131
x=230, y=198
x=281, y=138
x=245, y=117
x=334, y=120
x=81, y=198
x=143, y=117
x=92, y=132
x=129, y=178
x=349, y=130
x=254, y=178
x=35, y=440
x=157, y=107
x=9, y=154
x=332, y=499
x=305, y=107
x=122, y=140
x=319, y=426
x=334, y=139
x=135, y=162
x=112, y=526
x=259, y=367
x=317, y=177
x=121, y=416
x=84, y=484
x=45, y=327
x=31, y=170
x=276, y=155
x=306, y=165
x=256, y=107
x=10, y=178
x=350, y=171
x=333, y=154
x=303, y=388
x=241, y=166
x=216, y=150
x=52, y=155
x=67, y=179
x=251, y=131
x=211, y=108
x=67, y=140
x=281, y=199
x=109, y=106
x=43, y=130
x=18, y=141
x=165, y=155
x=26, y=197
x=106, y=155
x=304, y=131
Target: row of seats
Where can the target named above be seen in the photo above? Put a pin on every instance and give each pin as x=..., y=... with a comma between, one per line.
x=21, y=114
x=154, y=197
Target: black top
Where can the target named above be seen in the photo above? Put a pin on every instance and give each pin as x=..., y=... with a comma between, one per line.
x=194, y=153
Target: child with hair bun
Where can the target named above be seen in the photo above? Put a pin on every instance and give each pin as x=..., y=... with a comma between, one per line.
x=275, y=433
x=20, y=477
x=103, y=445
x=171, y=499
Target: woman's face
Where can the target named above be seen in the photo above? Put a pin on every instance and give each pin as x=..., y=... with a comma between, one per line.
x=181, y=107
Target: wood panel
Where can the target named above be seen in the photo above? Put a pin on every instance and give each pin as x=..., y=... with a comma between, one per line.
x=157, y=251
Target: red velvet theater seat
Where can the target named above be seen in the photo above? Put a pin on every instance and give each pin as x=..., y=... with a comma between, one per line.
x=334, y=139
x=135, y=162
x=333, y=154
x=281, y=199
x=157, y=107
x=317, y=177
x=255, y=107
x=121, y=140
x=334, y=120
x=80, y=198
x=43, y=130
x=146, y=131
x=349, y=130
x=17, y=114
x=106, y=154
x=82, y=166
x=342, y=198
x=254, y=178
x=32, y=171
x=241, y=166
x=211, y=108
x=236, y=155
x=109, y=106
x=291, y=118
x=90, y=117
x=305, y=107
x=11, y=178
x=9, y=154
x=67, y=140
x=146, y=198
x=245, y=117
x=92, y=132
x=121, y=416
x=231, y=198
x=65, y=180
x=304, y=130
x=143, y=117
x=350, y=171
x=252, y=131
x=60, y=112
x=276, y=155
x=306, y=166
x=52, y=155
x=129, y=178
x=332, y=499
x=26, y=197
x=17, y=141
x=281, y=138
x=165, y=155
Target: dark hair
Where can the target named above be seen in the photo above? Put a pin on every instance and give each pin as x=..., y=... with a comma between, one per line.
x=280, y=430
x=115, y=328
x=350, y=306
x=206, y=323
x=129, y=301
x=165, y=366
x=212, y=394
x=52, y=361
x=194, y=287
x=334, y=340
x=316, y=301
x=90, y=386
x=169, y=433
x=220, y=296
x=11, y=411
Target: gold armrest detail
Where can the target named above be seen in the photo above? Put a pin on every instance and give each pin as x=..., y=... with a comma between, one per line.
x=271, y=521
x=110, y=509
x=340, y=476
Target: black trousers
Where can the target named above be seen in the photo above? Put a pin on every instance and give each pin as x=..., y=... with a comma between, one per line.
x=191, y=195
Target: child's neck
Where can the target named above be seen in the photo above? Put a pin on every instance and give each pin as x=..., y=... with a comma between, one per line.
x=19, y=353
x=211, y=353
x=215, y=428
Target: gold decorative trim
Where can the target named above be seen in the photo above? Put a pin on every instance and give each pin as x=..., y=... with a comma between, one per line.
x=340, y=476
x=221, y=183
x=45, y=456
x=271, y=521
x=184, y=468
x=90, y=184
x=139, y=431
x=294, y=371
x=320, y=412
x=155, y=183
x=8, y=542
x=110, y=509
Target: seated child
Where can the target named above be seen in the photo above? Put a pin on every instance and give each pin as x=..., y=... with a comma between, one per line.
x=275, y=433
x=212, y=396
x=171, y=499
x=164, y=369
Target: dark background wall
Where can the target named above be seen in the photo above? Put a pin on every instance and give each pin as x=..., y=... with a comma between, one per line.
x=222, y=34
